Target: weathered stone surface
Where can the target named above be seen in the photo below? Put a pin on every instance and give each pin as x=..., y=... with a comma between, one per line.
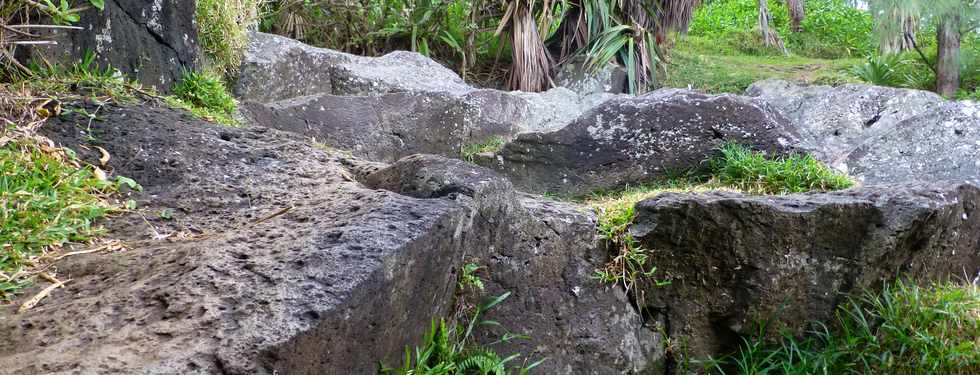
x=836, y=120
x=735, y=261
x=546, y=254
x=577, y=77
x=940, y=144
x=555, y=108
x=278, y=68
x=153, y=42
x=631, y=140
x=391, y=126
x=277, y=261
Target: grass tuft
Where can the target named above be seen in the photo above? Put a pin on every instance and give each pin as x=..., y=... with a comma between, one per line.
x=493, y=144
x=45, y=202
x=904, y=329
x=205, y=95
x=750, y=171
x=222, y=27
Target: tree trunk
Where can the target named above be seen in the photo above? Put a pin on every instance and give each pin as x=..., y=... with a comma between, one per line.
x=797, y=12
x=768, y=33
x=895, y=41
x=948, y=62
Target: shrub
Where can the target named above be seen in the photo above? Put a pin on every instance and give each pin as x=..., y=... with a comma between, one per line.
x=904, y=329
x=880, y=70
x=747, y=170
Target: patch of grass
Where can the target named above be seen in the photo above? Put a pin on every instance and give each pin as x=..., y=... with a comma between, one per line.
x=751, y=171
x=46, y=201
x=904, y=329
x=493, y=144
x=205, y=95
x=222, y=28
x=82, y=81
x=702, y=65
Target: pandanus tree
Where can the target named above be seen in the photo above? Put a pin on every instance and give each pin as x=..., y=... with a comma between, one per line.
x=797, y=12
x=769, y=34
x=952, y=18
x=629, y=32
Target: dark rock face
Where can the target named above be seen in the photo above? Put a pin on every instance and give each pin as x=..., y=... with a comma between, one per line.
x=546, y=254
x=151, y=41
x=940, y=144
x=277, y=261
x=637, y=139
x=734, y=261
x=391, y=126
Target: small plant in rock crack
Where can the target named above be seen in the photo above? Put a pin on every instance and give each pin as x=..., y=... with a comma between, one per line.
x=450, y=349
x=205, y=95
x=468, y=279
x=493, y=144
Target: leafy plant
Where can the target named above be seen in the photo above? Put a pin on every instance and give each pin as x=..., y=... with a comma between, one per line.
x=904, y=329
x=880, y=70
x=449, y=349
x=468, y=277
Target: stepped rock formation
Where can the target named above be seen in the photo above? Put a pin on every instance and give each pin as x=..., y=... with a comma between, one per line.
x=736, y=261
x=633, y=140
x=277, y=261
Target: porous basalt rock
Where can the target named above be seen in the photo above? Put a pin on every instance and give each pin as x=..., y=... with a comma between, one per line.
x=277, y=260
x=391, y=126
x=837, y=119
x=630, y=140
x=735, y=262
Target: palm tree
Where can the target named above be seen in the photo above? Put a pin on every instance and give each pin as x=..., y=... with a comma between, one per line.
x=769, y=34
x=797, y=11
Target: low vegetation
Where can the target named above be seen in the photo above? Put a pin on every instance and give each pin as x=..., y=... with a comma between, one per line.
x=737, y=168
x=904, y=329
x=204, y=94
x=222, y=30
x=449, y=347
x=493, y=144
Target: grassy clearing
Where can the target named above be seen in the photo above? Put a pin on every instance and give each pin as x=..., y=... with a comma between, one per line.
x=696, y=64
x=904, y=329
x=493, y=144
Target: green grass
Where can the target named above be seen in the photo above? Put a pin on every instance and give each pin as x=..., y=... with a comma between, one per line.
x=741, y=168
x=222, y=31
x=204, y=94
x=696, y=63
x=493, y=144
x=45, y=202
x=904, y=329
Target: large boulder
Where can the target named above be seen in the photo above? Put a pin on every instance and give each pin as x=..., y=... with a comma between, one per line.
x=577, y=76
x=631, y=140
x=277, y=68
x=384, y=108
x=546, y=254
x=151, y=41
x=838, y=119
x=276, y=260
x=735, y=261
x=940, y=144
x=391, y=126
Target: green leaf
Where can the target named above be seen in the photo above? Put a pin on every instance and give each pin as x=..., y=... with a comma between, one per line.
x=98, y=4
